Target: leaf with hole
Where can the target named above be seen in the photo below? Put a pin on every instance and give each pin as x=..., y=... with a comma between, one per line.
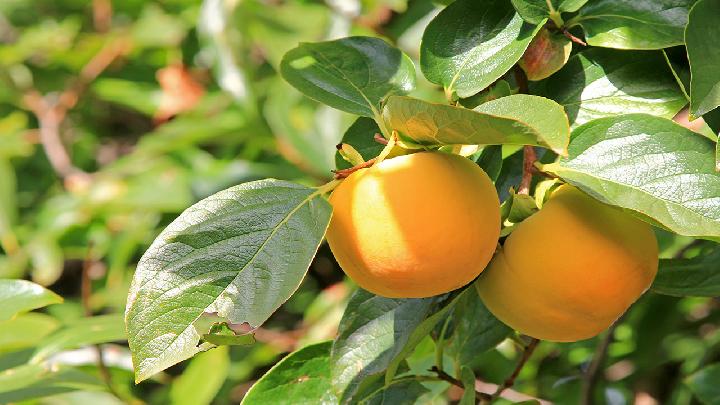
x=239, y=253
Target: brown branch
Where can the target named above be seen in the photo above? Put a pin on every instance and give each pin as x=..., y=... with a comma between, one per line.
x=592, y=375
x=573, y=38
x=102, y=15
x=529, y=159
x=510, y=381
x=454, y=381
x=341, y=174
x=380, y=139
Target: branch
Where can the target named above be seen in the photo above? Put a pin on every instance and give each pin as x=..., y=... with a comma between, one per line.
x=341, y=174
x=529, y=159
x=510, y=381
x=592, y=375
x=573, y=38
x=454, y=381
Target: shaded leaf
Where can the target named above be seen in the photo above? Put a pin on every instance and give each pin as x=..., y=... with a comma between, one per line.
x=471, y=44
x=302, y=376
x=21, y=296
x=372, y=332
x=468, y=380
x=696, y=277
x=361, y=136
x=403, y=392
x=547, y=53
x=648, y=165
x=634, y=24
x=702, y=36
x=603, y=83
x=534, y=11
x=351, y=74
x=239, y=253
x=704, y=384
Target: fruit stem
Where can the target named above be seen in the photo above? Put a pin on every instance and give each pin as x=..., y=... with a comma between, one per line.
x=529, y=158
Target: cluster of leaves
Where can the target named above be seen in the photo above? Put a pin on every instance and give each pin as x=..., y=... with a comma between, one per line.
x=598, y=115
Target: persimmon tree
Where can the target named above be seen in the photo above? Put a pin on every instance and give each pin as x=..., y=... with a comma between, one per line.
x=538, y=93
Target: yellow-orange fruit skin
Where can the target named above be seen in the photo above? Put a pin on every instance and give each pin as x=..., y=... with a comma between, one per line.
x=569, y=271
x=416, y=225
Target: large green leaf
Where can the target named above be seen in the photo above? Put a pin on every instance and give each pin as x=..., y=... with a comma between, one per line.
x=19, y=296
x=649, y=165
x=303, y=377
x=702, y=36
x=372, y=332
x=202, y=379
x=474, y=330
x=634, y=24
x=545, y=116
x=603, y=83
x=534, y=11
x=704, y=384
x=401, y=392
x=698, y=277
x=239, y=253
x=440, y=124
x=470, y=44
x=351, y=74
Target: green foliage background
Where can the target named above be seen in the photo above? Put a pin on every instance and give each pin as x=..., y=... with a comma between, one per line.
x=82, y=236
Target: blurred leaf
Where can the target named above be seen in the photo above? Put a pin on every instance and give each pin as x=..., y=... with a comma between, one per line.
x=142, y=97
x=155, y=28
x=547, y=53
x=468, y=380
x=534, y=11
x=8, y=206
x=58, y=380
x=485, y=41
x=372, y=332
x=351, y=74
x=474, y=330
x=603, y=83
x=47, y=259
x=702, y=35
x=201, y=380
x=22, y=376
x=545, y=116
x=302, y=377
x=13, y=137
x=697, y=277
x=21, y=296
x=361, y=135
x=637, y=24
x=441, y=124
x=25, y=330
x=241, y=253
x=649, y=165
x=82, y=332
x=704, y=384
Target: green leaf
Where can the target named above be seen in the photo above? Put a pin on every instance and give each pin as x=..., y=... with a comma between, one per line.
x=545, y=116
x=470, y=44
x=704, y=384
x=474, y=330
x=361, y=136
x=547, y=53
x=534, y=11
x=468, y=380
x=702, y=36
x=82, y=332
x=491, y=160
x=603, y=83
x=351, y=74
x=634, y=24
x=403, y=392
x=26, y=330
x=649, y=165
x=21, y=296
x=372, y=332
x=713, y=120
x=697, y=277
x=439, y=124
x=240, y=253
x=202, y=379
x=57, y=380
x=221, y=335
x=302, y=377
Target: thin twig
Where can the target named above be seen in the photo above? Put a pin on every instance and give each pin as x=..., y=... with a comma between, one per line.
x=510, y=381
x=592, y=375
x=343, y=173
x=681, y=253
x=529, y=158
x=380, y=139
x=85, y=295
x=102, y=15
x=454, y=381
x=573, y=38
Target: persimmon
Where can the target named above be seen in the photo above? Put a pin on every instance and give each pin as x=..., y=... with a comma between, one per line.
x=416, y=225
x=569, y=271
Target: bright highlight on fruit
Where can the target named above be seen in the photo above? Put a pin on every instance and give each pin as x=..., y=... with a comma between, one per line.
x=569, y=271
x=416, y=225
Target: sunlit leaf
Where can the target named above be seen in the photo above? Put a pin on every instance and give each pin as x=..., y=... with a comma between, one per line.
x=20, y=296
